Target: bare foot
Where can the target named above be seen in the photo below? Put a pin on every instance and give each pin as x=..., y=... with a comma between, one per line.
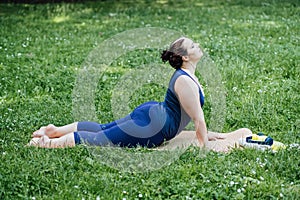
x=44, y=142
x=49, y=130
x=40, y=132
x=34, y=142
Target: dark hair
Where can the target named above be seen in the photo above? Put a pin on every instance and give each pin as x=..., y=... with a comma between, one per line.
x=174, y=54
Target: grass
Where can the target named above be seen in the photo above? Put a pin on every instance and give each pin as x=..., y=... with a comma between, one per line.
x=254, y=44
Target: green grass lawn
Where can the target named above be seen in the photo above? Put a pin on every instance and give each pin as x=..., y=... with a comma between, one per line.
x=254, y=45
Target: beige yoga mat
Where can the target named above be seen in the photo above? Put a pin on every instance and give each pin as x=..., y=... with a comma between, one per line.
x=188, y=138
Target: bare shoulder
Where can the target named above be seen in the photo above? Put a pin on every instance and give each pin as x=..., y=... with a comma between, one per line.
x=185, y=83
x=184, y=78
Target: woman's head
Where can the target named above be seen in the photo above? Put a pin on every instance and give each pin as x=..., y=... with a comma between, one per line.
x=180, y=51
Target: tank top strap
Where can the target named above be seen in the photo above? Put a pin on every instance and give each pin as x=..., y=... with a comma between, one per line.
x=190, y=77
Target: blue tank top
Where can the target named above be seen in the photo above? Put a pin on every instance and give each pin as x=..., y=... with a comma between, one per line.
x=178, y=119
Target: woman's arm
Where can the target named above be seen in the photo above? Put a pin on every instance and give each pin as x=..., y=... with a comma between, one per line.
x=188, y=95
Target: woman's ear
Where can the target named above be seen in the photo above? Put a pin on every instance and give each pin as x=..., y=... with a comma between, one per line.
x=185, y=58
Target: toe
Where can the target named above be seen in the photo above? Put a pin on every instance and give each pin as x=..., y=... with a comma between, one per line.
x=33, y=142
x=39, y=133
x=44, y=141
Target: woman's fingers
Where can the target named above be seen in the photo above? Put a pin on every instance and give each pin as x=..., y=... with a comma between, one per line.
x=221, y=136
x=212, y=136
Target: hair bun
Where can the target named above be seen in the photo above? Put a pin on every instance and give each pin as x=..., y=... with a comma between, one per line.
x=174, y=54
x=174, y=59
x=166, y=55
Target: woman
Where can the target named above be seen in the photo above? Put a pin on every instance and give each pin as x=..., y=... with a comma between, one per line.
x=151, y=123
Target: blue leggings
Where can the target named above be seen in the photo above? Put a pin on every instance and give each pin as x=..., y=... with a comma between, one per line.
x=140, y=128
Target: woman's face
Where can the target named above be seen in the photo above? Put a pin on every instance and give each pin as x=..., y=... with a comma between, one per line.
x=193, y=50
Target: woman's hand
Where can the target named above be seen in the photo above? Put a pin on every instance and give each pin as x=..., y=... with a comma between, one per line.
x=212, y=136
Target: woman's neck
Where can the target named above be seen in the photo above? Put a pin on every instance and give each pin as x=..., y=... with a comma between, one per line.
x=189, y=66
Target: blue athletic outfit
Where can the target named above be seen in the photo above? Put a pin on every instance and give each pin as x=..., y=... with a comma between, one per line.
x=149, y=125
